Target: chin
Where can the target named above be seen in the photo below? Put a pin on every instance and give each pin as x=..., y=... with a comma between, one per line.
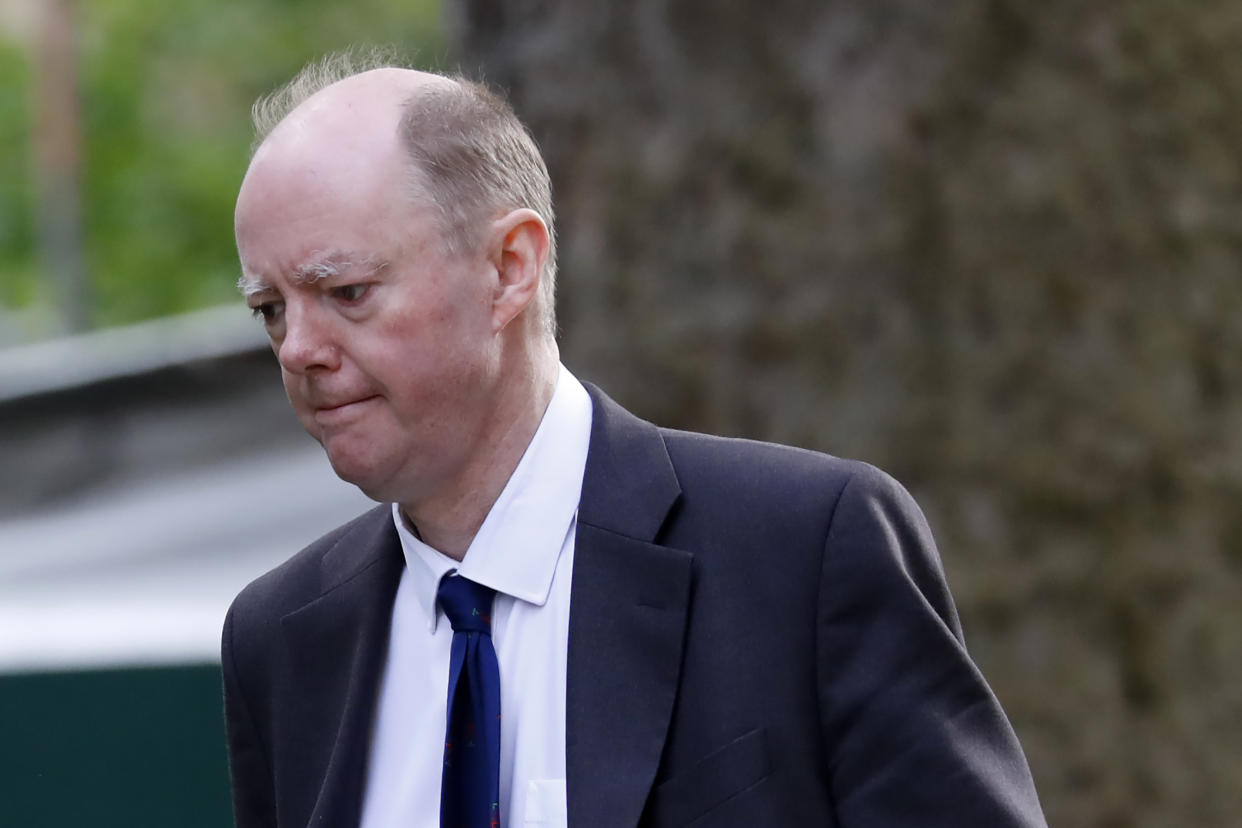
x=361, y=472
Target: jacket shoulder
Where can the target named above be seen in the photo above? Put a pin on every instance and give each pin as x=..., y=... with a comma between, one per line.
x=300, y=579
x=759, y=472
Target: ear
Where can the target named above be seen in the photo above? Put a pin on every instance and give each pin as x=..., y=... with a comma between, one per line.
x=518, y=251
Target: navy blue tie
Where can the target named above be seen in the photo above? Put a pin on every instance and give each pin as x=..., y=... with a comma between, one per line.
x=470, y=788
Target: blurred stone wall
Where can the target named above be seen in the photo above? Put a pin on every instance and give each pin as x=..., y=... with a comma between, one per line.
x=991, y=246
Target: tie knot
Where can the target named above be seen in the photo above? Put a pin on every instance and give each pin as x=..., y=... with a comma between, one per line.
x=468, y=605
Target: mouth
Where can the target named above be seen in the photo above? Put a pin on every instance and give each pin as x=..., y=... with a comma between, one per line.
x=338, y=412
x=334, y=406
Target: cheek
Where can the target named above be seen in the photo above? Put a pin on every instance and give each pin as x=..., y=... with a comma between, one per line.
x=293, y=387
x=295, y=390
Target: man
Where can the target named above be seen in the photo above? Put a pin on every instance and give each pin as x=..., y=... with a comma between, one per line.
x=685, y=629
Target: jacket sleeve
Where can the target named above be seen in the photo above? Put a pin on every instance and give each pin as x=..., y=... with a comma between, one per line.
x=249, y=768
x=912, y=733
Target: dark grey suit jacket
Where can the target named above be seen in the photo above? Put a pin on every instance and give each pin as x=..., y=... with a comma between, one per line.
x=758, y=636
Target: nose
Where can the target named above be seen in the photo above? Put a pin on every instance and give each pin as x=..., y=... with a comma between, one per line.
x=308, y=343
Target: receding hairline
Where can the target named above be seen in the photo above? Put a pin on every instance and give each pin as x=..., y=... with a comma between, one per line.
x=270, y=110
x=270, y=115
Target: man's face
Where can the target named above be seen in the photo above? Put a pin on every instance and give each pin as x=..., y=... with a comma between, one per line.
x=385, y=342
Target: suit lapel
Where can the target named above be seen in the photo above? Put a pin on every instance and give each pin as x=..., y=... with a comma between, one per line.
x=337, y=645
x=628, y=610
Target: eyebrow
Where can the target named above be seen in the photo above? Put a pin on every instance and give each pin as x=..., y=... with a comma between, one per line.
x=320, y=265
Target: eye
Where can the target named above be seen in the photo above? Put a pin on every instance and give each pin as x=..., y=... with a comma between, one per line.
x=350, y=293
x=267, y=311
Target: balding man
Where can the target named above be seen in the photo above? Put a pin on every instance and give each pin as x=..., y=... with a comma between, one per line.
x=563, y=615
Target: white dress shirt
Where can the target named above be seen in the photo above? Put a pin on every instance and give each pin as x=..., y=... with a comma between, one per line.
x=523, y=550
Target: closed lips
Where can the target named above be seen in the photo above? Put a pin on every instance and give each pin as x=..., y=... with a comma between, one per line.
x=332, y=406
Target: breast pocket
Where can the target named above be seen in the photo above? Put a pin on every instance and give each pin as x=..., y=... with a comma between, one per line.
x=711, y=782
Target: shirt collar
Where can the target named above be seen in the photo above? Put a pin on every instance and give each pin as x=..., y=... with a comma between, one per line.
x=517, y=548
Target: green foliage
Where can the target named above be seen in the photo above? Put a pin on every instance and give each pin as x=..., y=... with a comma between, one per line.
x=165, y=92
x=17, y=273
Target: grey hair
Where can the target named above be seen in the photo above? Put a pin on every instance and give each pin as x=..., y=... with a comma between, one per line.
x=473, y=160
x=270, y=109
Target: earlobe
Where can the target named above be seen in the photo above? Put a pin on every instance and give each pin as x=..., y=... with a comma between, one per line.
x=519, y=252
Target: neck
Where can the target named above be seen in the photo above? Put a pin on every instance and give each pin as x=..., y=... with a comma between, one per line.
x=448, y=520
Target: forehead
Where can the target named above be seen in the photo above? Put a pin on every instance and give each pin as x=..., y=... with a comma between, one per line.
x=302, y=185
x=301, y=221
x=330, y=167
